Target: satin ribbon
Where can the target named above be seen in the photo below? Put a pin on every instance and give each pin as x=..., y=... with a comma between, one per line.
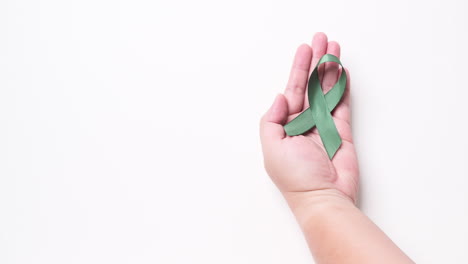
x=319, y=112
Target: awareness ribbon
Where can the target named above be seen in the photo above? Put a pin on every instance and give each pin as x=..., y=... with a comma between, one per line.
x=319, y=112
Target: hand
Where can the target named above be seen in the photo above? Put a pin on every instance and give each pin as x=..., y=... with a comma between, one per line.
x=299, y=165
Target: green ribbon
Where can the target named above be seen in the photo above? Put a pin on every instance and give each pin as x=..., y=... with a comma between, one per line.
x=319, y=112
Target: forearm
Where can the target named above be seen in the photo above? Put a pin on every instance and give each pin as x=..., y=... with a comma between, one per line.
x=338, y=232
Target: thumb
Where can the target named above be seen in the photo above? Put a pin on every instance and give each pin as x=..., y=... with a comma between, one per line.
x=271, y=125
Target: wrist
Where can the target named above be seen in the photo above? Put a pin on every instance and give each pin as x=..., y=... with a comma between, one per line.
x=318, y=204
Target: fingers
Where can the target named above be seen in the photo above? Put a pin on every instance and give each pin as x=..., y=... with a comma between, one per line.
x=331, y=69
x=271, y=125
x=343, y=109
x=319, y=48
x=296, y=87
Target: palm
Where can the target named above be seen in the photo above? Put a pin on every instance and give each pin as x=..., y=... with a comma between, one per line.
x=300, y=163
x=317, y=170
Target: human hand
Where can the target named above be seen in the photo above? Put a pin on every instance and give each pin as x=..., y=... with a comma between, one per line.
x=299, y=165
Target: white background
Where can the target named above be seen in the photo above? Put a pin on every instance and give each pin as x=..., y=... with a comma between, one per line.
x=129, y=129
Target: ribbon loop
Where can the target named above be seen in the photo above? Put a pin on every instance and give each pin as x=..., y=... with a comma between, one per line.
x=319, y=112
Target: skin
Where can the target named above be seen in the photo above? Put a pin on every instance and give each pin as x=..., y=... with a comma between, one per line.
x=322, y=193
